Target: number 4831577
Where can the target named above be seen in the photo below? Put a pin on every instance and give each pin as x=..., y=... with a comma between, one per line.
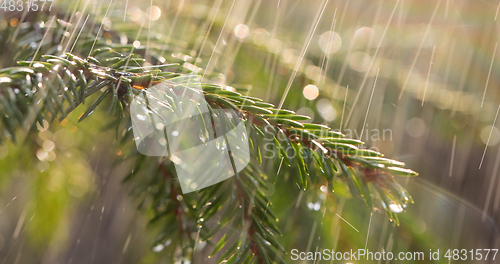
x=30, y=5
x=473, y=254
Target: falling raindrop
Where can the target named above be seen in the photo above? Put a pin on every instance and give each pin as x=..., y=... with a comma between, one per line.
x=310, y=92
x=330, y=42
x=364, y=36
x=359, y=61
x=241, y=31
x=153, y=12
x=260, y=36
x=326, y=110
x=415, y=127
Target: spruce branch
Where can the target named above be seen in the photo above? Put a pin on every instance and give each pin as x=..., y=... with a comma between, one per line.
x=51, y=87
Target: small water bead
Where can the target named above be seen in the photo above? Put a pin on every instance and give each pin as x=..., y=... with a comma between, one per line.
x=158, y=248
x=141, y=117
x=204, y=136
x=314, y=206
x=159, y=126
x=48, y=145
x=200, y=245
x=241, y=31
x=179, y=197
x=42, y=154
x=5, y=79
x=395, y=208
x=220, y=144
